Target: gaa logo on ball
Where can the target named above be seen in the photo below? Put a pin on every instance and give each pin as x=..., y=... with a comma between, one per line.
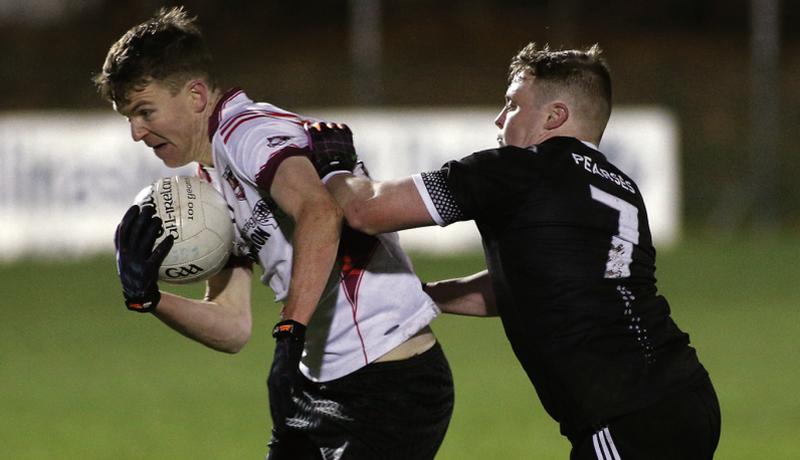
x=182, y=272
x=197, y=216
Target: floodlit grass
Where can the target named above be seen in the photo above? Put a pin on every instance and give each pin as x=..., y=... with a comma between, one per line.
x=81, y=378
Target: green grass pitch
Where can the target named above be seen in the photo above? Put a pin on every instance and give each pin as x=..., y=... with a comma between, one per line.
x=81, y=378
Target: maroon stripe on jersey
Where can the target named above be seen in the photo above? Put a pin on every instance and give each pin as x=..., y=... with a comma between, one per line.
x=267, y=172
x=351, y=284
x=355, y=252
x=289, y=116
x=236, y=121
x=225, y=126
x=241, y=120
x=216, y=115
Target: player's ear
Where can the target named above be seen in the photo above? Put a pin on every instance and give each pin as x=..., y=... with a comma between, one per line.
x=198, y=92
x=557, y=115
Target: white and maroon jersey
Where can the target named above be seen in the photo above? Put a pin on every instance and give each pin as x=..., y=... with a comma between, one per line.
x=373, y=301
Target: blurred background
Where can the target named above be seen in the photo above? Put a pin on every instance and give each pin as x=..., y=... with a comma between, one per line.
x=82, y=378
x=729, y=69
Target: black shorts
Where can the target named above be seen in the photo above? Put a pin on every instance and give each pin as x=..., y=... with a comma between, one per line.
x=389, y=410
x=684, y=426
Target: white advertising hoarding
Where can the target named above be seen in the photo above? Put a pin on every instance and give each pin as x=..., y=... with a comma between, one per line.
x=66, y=178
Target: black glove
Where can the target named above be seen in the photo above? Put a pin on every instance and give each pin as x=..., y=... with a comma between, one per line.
x=137, y=261
x=284, y=377
x=331, y=148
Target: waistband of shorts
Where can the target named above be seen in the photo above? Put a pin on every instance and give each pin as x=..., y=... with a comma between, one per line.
x=433, y=353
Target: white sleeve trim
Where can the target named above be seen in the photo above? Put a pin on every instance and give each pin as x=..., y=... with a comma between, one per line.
x=426, y=198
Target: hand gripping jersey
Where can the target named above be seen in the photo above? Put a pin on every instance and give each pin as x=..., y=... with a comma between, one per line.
x=568, y=247
x=373, y=301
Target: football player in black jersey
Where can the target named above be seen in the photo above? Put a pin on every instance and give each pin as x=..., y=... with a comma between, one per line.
x=570, y=262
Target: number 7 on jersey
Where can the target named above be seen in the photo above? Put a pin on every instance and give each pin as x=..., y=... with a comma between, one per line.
x=620, y=255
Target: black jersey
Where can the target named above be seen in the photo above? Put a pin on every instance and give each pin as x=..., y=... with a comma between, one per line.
x=569, y=251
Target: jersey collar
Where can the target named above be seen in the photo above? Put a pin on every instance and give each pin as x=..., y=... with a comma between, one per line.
x=590, y=145
x=563, y=139
x=216, y=115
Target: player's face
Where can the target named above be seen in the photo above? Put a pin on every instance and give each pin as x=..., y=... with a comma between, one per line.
x=522, y=119
x=166, y=122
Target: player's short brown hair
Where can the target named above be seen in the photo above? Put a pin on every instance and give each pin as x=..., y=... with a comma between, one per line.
x=582, y=73
x=168, y=48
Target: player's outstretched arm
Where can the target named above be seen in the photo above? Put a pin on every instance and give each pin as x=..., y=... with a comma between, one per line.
x=471, y=295
x=370, y=207
x=379, y=207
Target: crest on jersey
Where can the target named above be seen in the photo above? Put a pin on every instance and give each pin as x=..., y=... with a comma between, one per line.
x=277, y=141
x=238, y=190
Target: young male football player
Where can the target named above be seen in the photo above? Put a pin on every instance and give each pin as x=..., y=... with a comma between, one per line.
x=374, y=382
x=571, y=265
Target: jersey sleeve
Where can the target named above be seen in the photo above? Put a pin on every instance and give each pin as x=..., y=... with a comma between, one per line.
x=439, y=201
x=261, y=144
x=469, y=188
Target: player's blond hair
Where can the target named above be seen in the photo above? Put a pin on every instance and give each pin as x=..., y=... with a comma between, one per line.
x=583, y=74
x=168, y=48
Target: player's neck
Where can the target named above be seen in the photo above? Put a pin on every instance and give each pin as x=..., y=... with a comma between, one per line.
x=577, y=134
x=203, y=145
x=213, y=99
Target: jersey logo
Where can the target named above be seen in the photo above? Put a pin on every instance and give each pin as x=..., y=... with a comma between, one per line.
x=258, y=238
x=257, y=230
x=277, y=141
x=262, y=213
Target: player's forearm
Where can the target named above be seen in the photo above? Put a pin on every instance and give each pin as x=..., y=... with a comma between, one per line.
x=353, y=194
x=471, y=295
x=315, y=241
x=379, y=207
x=222, y=321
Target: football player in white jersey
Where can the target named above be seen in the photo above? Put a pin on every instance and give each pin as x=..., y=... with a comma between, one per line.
x=357, y=372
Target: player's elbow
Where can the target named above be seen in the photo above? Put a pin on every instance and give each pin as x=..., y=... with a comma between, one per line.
x=235, y=335
x=236, y=340
x=359, y=217
x=234, y=347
